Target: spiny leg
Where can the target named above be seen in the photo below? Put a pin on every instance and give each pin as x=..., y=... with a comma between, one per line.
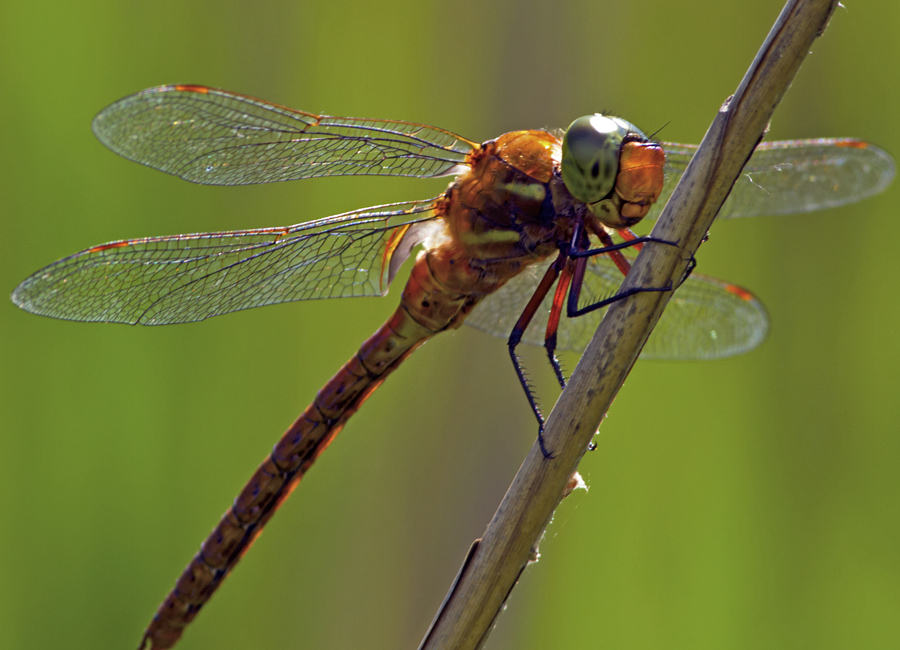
x=569, y=270
x=608, y=249
x=629, y=236
x=515, y=337
x=559, y=299
x=572, y=308
x=615, y=255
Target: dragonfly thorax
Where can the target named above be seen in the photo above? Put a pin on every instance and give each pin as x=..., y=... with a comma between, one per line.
x=508, y=210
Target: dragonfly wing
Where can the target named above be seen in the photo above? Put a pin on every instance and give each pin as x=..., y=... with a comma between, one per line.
x=793, y=176
x=706, y=318
x=183, y=278
x=216, y=137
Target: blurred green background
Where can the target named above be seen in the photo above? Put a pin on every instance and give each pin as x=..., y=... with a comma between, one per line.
x=744, y=503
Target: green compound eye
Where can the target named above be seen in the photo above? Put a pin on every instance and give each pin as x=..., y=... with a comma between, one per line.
x=590, y=158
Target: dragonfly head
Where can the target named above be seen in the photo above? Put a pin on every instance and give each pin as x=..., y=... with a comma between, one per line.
x=609, y=164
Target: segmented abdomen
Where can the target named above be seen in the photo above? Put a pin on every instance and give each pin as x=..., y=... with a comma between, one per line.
x=425, y=309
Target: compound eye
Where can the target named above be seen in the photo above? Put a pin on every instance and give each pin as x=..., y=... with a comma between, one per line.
x=590, y=159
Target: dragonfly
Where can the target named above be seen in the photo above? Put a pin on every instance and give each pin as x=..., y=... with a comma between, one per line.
x=524, y=213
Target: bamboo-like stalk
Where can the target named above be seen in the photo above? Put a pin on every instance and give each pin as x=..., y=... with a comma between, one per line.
x=494, y=564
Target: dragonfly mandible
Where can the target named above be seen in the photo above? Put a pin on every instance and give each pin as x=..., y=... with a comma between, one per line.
x=526, y=211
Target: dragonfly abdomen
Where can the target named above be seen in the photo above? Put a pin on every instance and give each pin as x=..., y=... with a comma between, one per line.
x=425, y=309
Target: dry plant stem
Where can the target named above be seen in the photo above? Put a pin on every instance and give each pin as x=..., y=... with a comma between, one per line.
x=511, y=539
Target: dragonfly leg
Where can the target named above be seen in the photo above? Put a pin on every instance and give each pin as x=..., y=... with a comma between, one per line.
x=692, y=264
x=569, y=270
x=572, y=308
x=515, y=337
x=559, y=299
x=637, y=242
x=631, y=237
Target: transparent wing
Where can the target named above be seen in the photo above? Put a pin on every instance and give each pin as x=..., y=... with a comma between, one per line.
x=706, y=318
x=216, y=137
x=793, y=176
x=183, y=278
